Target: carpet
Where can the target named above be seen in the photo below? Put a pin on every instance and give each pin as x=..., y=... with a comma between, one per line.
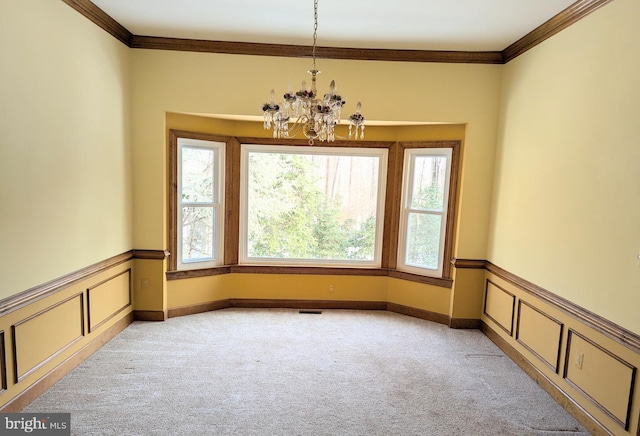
x=280, y=372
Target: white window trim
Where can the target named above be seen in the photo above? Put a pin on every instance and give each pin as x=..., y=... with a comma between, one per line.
x=381, y=153
x=217, y=204
x=407, y=188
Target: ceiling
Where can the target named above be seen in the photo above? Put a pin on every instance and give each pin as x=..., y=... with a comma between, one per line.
x=457, y=25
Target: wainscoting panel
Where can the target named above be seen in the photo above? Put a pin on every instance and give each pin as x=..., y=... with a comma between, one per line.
x=42, y=336
x=53, y=327
x=499, y=306
x=604, y=378
x=108, y=298
x=586, y=363
x=539, y=333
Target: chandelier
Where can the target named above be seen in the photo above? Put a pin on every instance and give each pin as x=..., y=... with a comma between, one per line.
x=304, y=110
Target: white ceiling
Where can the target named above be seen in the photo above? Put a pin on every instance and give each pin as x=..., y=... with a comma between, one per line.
x=459, y=25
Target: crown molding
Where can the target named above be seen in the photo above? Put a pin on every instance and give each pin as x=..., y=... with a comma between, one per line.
x=564, y=19
x=304, y=51
x=102, y=19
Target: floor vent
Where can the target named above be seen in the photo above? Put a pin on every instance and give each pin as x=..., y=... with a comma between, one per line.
x=311, y=311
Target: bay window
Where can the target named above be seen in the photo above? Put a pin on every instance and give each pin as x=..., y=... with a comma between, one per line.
x=274, y=206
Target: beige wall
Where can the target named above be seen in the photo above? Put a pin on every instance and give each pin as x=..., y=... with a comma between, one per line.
x=65, y=158
x=566, y=208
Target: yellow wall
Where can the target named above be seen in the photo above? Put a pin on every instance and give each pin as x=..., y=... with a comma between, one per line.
x=566, y=208
x=71, y=94
x=165, y=81
x=196, y=291
x=65, y=157
x=167, y=85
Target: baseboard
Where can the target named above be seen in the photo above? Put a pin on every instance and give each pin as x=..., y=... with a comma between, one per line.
x=580, y=414
x=150, y=315
x=256, y=303
x=25, y=397
x=307, y=304
x=198, y=308
x=440, y=318
x=463, y=323
x=456, y=323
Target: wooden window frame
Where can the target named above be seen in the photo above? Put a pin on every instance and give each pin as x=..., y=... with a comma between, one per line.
x=391, y=211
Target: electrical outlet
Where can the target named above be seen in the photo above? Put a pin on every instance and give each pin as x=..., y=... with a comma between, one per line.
x=579, y=360
x=144, y=283
x=331, y=289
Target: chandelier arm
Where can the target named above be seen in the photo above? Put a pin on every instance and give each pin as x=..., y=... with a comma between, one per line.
x=306, y=110
x=297, y=124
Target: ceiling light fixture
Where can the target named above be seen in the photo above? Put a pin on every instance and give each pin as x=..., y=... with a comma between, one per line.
x=317, y=117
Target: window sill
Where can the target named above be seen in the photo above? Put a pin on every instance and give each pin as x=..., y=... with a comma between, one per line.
x=246, y=269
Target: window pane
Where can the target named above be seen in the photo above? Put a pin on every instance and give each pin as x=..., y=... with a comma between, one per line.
x=429, y=183
x=303, y=206
x=197, y=175
x=197, y=233
x=423, y=240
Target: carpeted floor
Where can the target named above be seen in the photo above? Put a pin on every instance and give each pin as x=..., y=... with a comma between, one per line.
x=279, y=372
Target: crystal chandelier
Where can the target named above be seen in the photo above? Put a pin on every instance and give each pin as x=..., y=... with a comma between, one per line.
x=303, y=109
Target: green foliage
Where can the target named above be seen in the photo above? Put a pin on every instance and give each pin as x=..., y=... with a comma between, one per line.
x=291, y=217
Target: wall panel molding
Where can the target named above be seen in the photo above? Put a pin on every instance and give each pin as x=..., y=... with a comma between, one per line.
x=604, y=360
x=96, y=319
x=554, y=363
x=3, y=364
x=22, y=399
x=35, y=343
x=583, y=416
x=501, y=300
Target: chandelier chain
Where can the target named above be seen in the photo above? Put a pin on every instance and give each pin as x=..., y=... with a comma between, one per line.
x=305, y=110
x=315, y=31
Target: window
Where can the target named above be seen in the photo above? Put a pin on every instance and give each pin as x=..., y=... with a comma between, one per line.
x=319, y=206
x=424, y=210
x=199, y=201
x=250, y=204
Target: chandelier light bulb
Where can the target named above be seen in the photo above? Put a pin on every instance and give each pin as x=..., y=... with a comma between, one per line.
x=303, y=110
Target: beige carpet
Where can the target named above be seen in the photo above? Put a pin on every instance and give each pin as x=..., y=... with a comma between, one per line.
x=279, y=372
